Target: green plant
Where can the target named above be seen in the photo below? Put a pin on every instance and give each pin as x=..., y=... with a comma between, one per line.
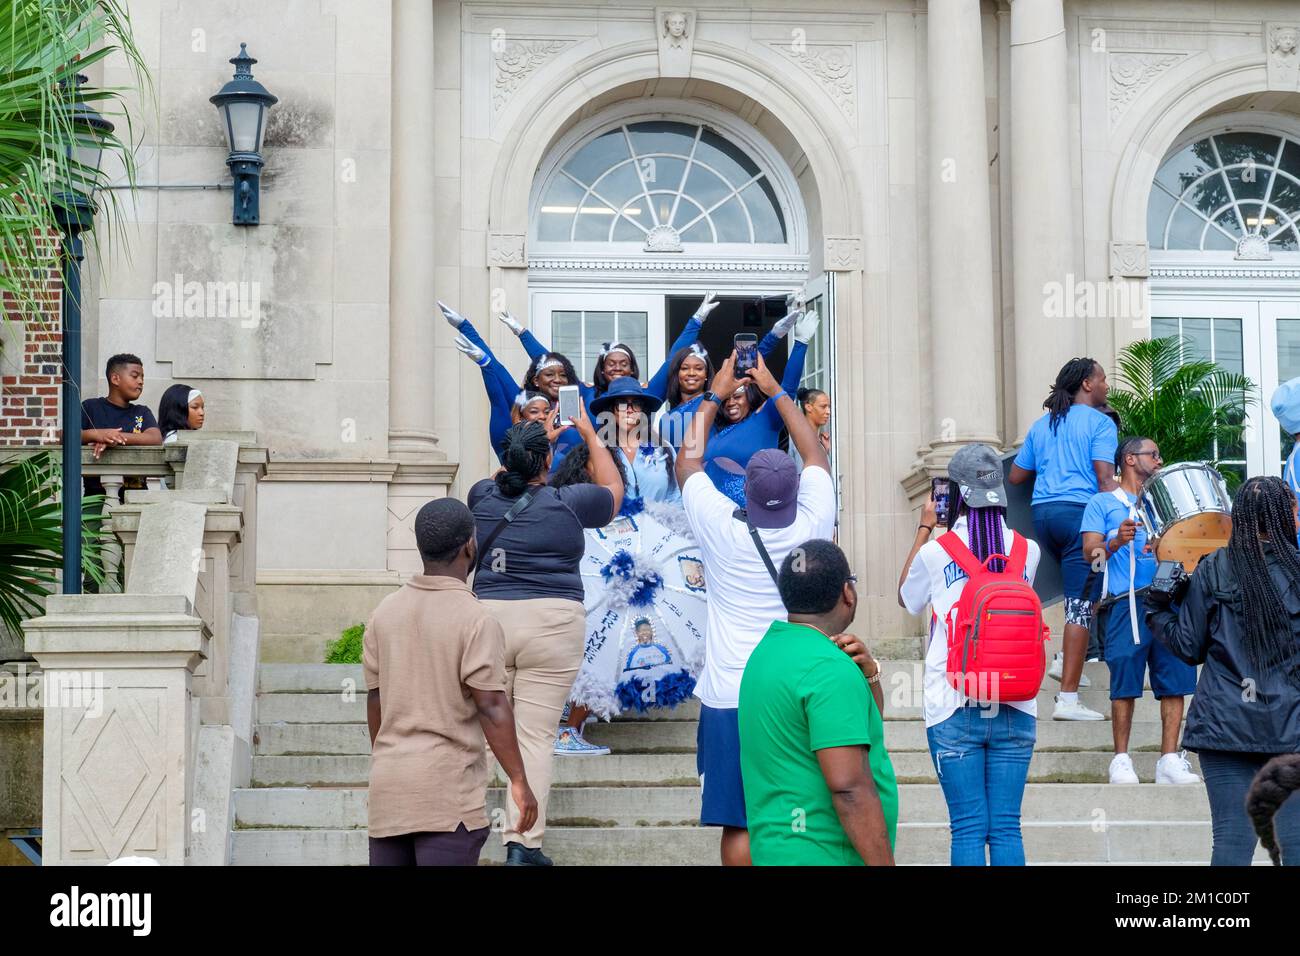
x=1189, y=406
x=31, y=536
x=347, y=649
x=44, y=44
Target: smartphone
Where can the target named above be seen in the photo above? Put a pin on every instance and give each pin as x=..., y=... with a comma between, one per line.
x=939, y=491
x=570, y=408
x=746, y=344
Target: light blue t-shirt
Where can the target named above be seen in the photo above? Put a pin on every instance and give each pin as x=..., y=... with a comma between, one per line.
x=1104, y=514
x=1063, y=461
x=1288, y=475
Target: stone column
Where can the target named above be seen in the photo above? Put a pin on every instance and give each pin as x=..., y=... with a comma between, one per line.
x=411, y=431
x=119, y=726
x=1042, y=221
x=963, y=336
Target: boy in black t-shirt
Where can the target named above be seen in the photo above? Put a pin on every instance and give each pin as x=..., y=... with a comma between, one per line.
x=114, y=420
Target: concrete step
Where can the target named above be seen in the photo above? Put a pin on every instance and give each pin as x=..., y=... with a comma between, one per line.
x=286, y=739
x=339, y=707
x=1146, y=841
x=905, y=703
x=344, y=808
x=307, y=678
x=294, y=649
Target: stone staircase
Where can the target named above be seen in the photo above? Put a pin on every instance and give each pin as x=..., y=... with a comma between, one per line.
x=307, y=802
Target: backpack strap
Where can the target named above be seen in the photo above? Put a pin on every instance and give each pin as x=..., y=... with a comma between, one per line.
x=951, y=542
x=522, y=502
x=741, y=515
x=1019, y=557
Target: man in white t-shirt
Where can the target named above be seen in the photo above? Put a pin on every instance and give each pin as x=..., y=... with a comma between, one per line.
x=785, y=509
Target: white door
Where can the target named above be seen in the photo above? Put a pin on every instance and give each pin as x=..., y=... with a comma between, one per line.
x=579, y=323
x=1256, y=337
x=819, y=367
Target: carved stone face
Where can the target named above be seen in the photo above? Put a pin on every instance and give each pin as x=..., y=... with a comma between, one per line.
x=675, y=25
x=1284, y=40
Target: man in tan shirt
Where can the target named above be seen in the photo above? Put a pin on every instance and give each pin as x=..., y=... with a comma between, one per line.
x=434, y=661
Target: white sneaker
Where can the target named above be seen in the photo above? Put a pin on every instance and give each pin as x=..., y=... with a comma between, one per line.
x=1121, y=770
x=1174, y=768
x=1055, y=671
x=1075, y=711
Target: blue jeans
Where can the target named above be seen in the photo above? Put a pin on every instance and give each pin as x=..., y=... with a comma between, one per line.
x=982, y=762
x=1227, y=781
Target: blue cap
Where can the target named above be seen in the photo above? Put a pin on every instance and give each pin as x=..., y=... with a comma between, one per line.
x=1286, y=406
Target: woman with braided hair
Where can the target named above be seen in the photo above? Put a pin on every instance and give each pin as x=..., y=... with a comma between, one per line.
x=981, y=755
x=1240, y=619
x=1278, y=779
x=1069, y=454
x=530, y=541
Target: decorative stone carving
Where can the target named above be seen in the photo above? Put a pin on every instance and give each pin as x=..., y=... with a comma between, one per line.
x=1129, y=260
x=506, y=250
x=675, y=29
x=513, y=61
x=1130, y=74
x=1281, y=41
x=832, y=66
x=663, y=238
x=842, y=254
x=1252, y=247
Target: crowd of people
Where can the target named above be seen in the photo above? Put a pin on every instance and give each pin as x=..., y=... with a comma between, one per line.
x=660, y=545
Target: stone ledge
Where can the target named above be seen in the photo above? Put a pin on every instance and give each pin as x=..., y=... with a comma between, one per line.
x=331, y=469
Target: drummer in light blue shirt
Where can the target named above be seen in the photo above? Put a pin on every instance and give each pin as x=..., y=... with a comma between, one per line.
x=1286, y=406
x=1112, y=523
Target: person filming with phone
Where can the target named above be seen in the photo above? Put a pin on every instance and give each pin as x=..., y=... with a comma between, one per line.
x=1114, y=538
x=1239, y=617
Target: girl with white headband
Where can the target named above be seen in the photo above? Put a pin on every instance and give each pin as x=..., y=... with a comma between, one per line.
x=180, y=409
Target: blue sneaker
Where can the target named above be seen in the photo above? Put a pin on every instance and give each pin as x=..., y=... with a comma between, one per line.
x=569, y=743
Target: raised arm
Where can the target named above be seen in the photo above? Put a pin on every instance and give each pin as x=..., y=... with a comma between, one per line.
x=604, y=471
x=802, y=434
x=804, y=330
x=690, y=457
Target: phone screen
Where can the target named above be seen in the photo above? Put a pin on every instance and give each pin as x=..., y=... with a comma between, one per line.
x=939, y=491
x=568, y=404
x=746, y=344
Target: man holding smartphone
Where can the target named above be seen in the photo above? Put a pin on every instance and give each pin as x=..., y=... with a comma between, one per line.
x=786, y=508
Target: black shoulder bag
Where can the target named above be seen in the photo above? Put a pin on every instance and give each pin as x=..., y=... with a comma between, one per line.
x=740, y=515
x=516, y=509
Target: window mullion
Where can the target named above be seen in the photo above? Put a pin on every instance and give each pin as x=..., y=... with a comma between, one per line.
x=681, y=186
x=640, y=176
x=1241, y=220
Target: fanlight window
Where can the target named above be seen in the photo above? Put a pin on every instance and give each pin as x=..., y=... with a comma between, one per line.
x=1235, y=192
x=660, y=184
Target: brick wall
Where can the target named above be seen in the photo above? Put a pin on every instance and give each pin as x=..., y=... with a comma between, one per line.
x=32, y=363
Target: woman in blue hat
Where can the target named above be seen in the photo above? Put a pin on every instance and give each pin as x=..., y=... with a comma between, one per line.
x=622, y=416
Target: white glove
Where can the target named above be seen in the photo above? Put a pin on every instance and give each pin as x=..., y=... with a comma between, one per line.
x=706, y=306
x=451, y=315
x=806, y=327
x=785, y=324
x=467, y=347
x=511, y=322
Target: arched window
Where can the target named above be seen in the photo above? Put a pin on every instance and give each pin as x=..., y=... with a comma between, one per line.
x=1236, y=192
x=662, y=185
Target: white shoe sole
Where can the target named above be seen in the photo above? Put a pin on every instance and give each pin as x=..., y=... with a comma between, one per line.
x=1125, y=783
x=1177, y=783
x=599, y=752
x=1058, y=716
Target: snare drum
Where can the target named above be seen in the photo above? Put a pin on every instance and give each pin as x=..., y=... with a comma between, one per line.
x=1186, y=506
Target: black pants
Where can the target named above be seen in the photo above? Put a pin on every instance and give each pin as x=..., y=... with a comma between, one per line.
x=459, y=847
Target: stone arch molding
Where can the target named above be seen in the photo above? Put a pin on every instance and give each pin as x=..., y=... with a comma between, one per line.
x=1157, y=128
x=560, y=88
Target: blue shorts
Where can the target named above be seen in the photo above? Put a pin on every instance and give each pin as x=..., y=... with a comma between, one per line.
x=1056, y=527
x=717, y=760
x=1128, y=662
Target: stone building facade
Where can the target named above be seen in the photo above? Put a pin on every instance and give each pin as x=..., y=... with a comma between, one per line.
x=971, y=192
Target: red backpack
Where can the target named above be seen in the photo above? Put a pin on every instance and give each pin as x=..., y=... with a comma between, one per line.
x=996, y=634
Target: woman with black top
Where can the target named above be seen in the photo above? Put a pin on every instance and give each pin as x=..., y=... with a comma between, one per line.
x=1240, y=618
x=528, y=578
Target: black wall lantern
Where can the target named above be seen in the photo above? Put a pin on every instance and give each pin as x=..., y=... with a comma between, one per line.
x=243, y=103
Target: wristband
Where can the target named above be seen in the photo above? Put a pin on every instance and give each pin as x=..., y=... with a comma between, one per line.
x=712, y=396
x=927, y=527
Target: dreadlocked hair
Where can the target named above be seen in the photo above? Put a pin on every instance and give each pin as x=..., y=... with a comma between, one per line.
x=674, y=393
x=1263, y=509
x=598, y=376
x=1276, y=781
x=524, y=448
x=1068, y=382
x=984, y=528
x=529, y=382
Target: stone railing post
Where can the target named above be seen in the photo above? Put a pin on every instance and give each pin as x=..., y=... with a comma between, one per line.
x=120, y=727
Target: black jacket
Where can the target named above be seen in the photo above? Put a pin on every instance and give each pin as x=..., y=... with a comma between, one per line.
x=1236, y=707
